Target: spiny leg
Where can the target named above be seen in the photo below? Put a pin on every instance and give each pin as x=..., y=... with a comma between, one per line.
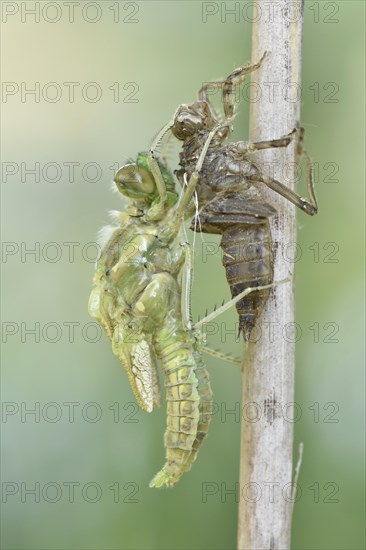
x=222, y=356
x=300, y=144
x=165, y=151
x=242, y=148
x=300, y=151
x=310, y=181
x=162, y=132
x=155, y=169
x=308, y=206
x=219, y=311
x=224, y=307
x=159, y=180
x=187, y=287
x=248, y=311
x=278, y=142
x=236, y=77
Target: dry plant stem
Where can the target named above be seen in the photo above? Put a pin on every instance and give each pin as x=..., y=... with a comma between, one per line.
x=268, y=370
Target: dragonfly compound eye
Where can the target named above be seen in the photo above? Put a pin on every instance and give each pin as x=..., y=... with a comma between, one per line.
x=134, y=181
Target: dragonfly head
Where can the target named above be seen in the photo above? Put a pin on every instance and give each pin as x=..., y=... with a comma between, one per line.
x=135, y=181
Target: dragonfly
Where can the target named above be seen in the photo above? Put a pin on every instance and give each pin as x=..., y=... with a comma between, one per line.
x=141, y=298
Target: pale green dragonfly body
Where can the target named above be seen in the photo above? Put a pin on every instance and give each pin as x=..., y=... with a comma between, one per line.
x=137, y=299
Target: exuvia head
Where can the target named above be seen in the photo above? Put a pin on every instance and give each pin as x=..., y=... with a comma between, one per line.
x=192, y=118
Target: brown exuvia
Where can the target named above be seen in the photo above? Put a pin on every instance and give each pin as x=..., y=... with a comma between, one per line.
x=229, y=192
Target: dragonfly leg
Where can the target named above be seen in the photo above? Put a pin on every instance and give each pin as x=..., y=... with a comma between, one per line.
x=242, y=148
x=233, y=301
x=159, y=180
x=309, y=206
x=187, y=286
x=157, y=211
x=235, y=78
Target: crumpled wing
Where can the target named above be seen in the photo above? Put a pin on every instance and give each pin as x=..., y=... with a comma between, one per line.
x=131, y=348
x=99, y=307
x=139, y=361
x=146, y=375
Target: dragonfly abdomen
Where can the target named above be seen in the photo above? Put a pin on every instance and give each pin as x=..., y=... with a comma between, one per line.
x=242, y=220
x=183, y=399
x=247, y=258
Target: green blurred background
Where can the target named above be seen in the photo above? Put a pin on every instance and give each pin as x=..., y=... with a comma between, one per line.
x=159, y=53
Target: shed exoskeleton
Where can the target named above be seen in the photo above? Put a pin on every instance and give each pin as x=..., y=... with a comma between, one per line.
x=229, y=192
